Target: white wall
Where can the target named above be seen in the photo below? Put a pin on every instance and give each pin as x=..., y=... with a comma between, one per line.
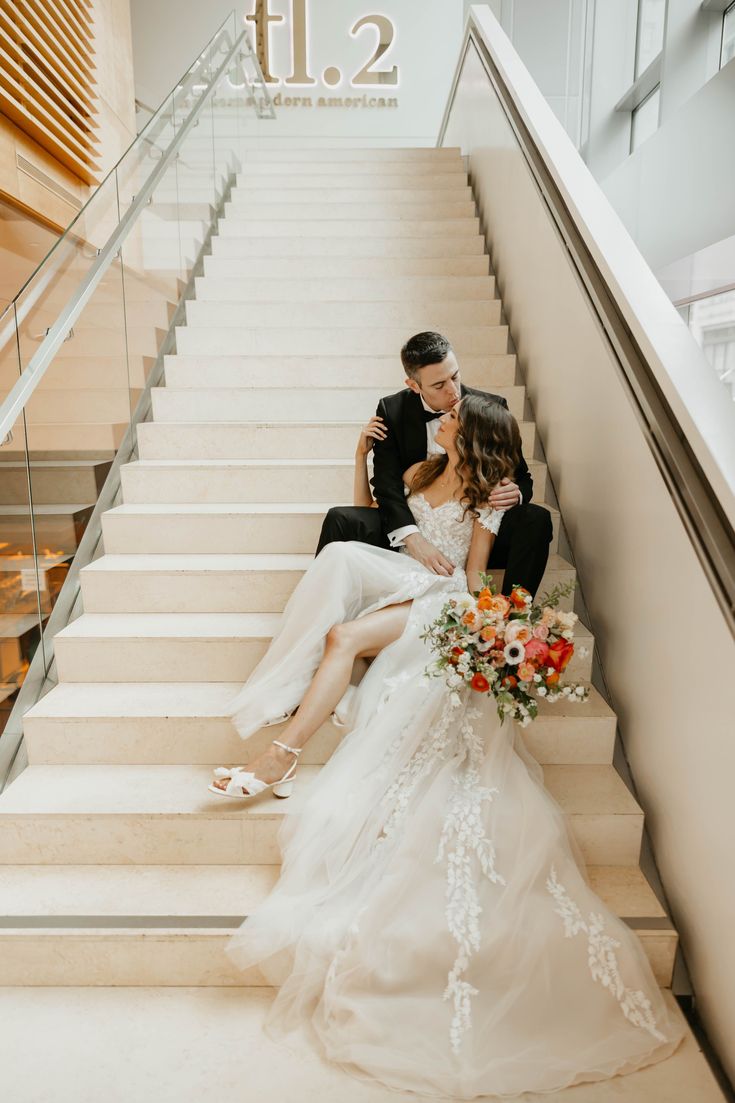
x=675, y=193
x=657, y=624
x=168, y=33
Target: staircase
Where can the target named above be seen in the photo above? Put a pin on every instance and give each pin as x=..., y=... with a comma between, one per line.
x=121, y=877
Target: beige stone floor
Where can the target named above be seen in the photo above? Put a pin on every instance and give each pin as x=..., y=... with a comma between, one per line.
x=204, y=1045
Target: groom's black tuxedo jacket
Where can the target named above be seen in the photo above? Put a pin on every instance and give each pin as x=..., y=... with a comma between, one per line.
x=405, y=445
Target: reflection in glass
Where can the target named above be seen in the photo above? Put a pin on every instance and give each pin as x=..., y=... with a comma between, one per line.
x=712, y=322
x=645, y=119
x=650, y=35
x=727, y=52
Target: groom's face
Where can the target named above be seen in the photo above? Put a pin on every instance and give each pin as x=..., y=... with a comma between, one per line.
x=438, y=384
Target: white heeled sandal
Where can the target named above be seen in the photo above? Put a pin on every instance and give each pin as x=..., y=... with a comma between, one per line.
x=240, y=779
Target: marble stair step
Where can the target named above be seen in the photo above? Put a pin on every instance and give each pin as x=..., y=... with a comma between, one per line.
x=249, y=249
x=242, y=481
x=268, y=440
x=162, y=723
x=372, y=289
x=149, y=924
x=279, y=404
x=348, y=228
x=223, y=528
x=197, y=1030
x=370, y=155
x=349, y=178
x=305, y=316
x=336, y=372
x=196, y=647
x=299, y=172
x=332, y=340
x=426, y=191
x=369, y=209
x=351, y=267
x=216, y=583
x=165, y=815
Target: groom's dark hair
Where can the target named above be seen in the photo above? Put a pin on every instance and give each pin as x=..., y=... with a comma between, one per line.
x=422, y=349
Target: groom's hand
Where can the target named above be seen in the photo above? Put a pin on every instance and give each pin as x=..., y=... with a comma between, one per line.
x=419, y=548
x=505, y=495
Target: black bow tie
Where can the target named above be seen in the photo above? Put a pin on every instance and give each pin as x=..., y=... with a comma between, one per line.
x=430, y=415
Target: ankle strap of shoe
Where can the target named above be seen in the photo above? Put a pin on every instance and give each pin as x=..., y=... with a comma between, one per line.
x=293, y=750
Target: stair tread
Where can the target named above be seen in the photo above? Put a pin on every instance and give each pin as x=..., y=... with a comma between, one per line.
x=112, y=890
x=80, y=790
x=213, y=1024
x=201, y=625
x=215, y=561
x=97, y=700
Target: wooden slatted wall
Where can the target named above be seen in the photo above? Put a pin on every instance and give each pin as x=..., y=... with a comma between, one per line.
x=47, y=78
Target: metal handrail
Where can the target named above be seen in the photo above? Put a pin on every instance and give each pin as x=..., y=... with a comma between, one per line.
x=32, y=374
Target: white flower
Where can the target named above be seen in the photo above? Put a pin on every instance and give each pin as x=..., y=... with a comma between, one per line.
x=568, y=634
x=566, y=620
x=580, y=691
x=514, y=653
x=537, y=677
x=465, y=603
x=541, y=691
x=566, y=691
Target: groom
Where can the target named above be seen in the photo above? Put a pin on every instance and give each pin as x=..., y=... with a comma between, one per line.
x=434, y=387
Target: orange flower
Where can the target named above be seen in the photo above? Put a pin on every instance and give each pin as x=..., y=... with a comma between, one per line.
x=470, y=619
x=488, y=634
x=519, y=597
x=483, y=599
x=526, y=672
x=480, y=683
x=552, y=679
x=499, y=604
x=510, y=682
x=559, y=655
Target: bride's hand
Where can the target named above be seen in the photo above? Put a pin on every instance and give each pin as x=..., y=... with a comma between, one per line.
x=419, y=548
x=374, y=430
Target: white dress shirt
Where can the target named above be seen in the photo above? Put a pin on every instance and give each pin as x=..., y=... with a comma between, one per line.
x=397, y=538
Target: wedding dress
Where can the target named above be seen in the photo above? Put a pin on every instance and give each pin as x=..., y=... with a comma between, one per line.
x=432, y=927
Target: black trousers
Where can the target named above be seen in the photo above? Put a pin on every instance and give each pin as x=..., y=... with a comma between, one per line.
x=521, y=546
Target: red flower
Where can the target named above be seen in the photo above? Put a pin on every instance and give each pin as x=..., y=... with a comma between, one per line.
x=559, y=655
x=458, y=651
x=511, y=682
x=480, y=683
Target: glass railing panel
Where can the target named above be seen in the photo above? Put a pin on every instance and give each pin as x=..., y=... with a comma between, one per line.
x=27, y=584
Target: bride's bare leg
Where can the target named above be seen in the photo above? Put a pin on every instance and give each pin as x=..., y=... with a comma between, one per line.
x=363, y=638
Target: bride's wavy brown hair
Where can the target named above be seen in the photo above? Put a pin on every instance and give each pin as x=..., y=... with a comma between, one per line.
x=488, y=444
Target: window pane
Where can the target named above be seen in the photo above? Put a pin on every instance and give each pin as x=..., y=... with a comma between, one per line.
x=728, y=37
x=645, y=119
x=712, y=322
x=650, y=38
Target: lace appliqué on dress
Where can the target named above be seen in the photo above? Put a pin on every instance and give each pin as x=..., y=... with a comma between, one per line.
x=463, y=831
x=447, y=526
x=602, y=959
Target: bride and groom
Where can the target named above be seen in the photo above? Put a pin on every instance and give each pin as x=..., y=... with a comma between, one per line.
x=433, y=917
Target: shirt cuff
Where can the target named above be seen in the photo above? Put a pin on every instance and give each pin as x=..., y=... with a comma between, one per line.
x=490, y=519
x=520, y=497
x=396, y=538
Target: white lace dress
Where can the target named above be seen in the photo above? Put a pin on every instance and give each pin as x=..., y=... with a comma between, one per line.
x=432, y=927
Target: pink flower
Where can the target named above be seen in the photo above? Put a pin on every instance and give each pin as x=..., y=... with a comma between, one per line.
x=526, y=671
x=537, y=651
x=541, y=632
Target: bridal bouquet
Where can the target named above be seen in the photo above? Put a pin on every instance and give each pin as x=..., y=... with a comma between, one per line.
x=507, y=647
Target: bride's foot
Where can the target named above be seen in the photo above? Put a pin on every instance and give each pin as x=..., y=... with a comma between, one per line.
x=269, y=766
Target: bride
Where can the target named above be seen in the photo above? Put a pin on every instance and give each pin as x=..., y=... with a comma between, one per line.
x=432, y=927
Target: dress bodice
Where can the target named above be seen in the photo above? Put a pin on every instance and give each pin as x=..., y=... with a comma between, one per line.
x=447, y=526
